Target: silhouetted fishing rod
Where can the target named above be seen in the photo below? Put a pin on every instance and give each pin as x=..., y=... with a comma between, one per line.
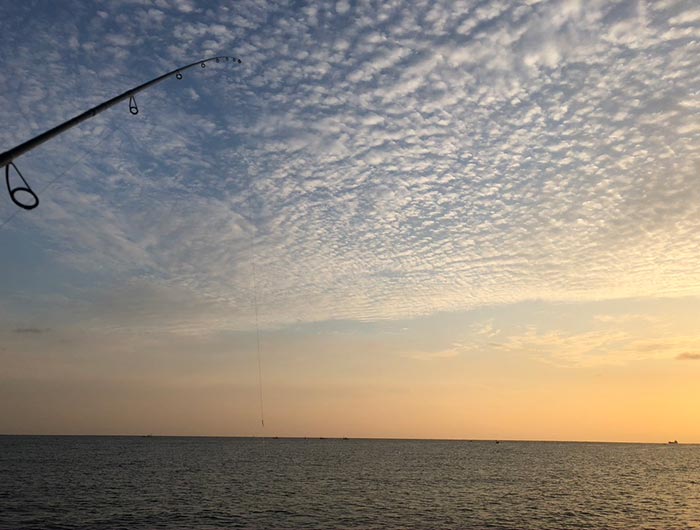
x=7, y=158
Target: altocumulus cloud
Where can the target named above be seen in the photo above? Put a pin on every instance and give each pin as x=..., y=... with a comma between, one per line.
x=689, y=356
x=374, y=160
x=32, y=331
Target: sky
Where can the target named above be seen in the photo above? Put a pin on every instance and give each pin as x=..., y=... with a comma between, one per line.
x=453, y=219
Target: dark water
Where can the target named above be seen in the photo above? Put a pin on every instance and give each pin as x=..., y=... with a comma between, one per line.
x=198, y=483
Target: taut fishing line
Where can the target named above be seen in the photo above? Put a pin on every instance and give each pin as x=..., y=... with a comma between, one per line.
x=257, y=326
x=253, y=266
x=256, y=303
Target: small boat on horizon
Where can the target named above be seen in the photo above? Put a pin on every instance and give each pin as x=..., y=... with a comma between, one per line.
x=674, y=442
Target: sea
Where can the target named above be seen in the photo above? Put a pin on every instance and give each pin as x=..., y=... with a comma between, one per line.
x=112, y=482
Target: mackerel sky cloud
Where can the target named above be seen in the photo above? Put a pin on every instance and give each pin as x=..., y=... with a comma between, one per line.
x=372, y=159
x=456, y=218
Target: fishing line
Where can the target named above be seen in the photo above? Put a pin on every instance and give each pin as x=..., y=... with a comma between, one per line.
x=256, y=304
x=253, y=253
x=69, y=168
x=257, y=328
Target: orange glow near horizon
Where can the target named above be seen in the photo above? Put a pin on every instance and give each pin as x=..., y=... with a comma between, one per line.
x=620, y=377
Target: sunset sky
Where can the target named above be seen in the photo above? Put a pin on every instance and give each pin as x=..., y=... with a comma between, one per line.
x=460, y=219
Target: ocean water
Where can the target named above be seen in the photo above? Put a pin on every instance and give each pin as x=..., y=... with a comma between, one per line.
x=205, y=483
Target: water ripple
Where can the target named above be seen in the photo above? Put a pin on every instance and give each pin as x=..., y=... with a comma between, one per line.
x=206, y=483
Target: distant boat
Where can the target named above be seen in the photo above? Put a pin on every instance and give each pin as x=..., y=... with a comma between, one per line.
x=674, y=442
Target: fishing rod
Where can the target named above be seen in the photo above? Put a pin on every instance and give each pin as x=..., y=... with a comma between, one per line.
x=29, y=200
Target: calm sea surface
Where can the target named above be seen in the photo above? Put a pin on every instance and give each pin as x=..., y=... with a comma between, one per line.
x=203, y=483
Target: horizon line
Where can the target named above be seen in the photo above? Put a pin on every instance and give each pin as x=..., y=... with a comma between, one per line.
x=351, y=438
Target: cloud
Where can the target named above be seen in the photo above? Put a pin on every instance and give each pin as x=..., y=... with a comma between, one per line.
x=566, y=348
x=454, y=350
x=626, y=318
x=30, y=330
x=485, y=330
x=342, y=6
x=688, y=356
x=373, y=162
x=140, y=306
x=599, y=346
